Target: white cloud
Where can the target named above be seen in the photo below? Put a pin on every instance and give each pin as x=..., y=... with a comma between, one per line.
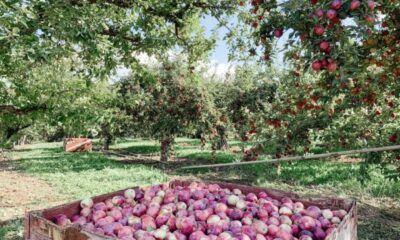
x=212, y=70
x=123, y=72
x=217, y=71
x=147, y=60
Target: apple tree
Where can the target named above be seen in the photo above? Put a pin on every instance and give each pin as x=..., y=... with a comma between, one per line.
x=98, y=36
x=164, y=101
x=46, y=93
x=104, y=33
x=341, y=88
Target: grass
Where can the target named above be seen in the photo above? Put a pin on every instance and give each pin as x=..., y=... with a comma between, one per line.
x=74, y=176
x=12, y=230
x=75, y=173
x=328, y=174
x=184, y=148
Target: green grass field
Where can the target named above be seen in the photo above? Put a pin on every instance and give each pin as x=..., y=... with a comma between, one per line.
x=72, y=176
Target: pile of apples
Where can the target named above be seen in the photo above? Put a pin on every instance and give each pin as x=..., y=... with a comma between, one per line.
x=203, y=212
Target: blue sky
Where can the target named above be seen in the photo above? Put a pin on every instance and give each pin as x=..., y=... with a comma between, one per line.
x=220, y=53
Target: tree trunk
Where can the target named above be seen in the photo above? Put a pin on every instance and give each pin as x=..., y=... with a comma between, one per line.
x=166, y=147
x=107, y=142
x=202, y=142
x=252, y=153
x=222, y=142
x=22, y=141
x=58, y=136
x=14, y=130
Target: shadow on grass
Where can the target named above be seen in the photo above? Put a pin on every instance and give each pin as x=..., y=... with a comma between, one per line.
x=128, y=140
x=153, y=148
x=191, y=141
x=207, y=156
x=301, y=173
x=61, y=162
x=66, y=162
x=306, y=172
x=185, y=147
x=142, y=149
x=44, y=149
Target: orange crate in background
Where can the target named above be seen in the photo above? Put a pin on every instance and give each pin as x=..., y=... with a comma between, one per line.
x=78, y=145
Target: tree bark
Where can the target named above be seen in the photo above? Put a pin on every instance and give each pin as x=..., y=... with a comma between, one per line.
x=253, y=153
x=10, y=109
x=166, y=147
x=222, y=142
x=107, y=142
x=57, y=136
x=202, y=142
x=13, y=130
x=22, y=141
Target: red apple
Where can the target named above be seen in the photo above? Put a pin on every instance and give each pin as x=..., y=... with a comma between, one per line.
x=354, y=4
x=307, y=223
x=329, y=50
x=303, y=36
x=323, y=46
x=393, y=138
x=332, y=66
x=316, y=66
x=331, y=14
x=319, y=13
x=85, y=212
x=62, y=220
x=369, y=19
x=278, y=33
x=336, y=4
x=371, y=4
x=319, y=30
x=324, y=64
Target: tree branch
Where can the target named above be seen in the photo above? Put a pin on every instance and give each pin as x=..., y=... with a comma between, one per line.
x=119, y=3
x=10, y=109
x=130, y=3
x=13, y=130
x=112, y=33
x=204, y=5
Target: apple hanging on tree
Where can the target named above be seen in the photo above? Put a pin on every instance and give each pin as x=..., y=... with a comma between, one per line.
x=319, y=30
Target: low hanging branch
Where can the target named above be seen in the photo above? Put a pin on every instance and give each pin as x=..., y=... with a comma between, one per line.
x=10, y=109
x=297, y=158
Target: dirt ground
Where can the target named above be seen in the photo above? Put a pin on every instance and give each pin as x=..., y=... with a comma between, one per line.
x=21, y=193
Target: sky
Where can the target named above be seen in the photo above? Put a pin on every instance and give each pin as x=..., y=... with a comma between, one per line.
x=220, y=53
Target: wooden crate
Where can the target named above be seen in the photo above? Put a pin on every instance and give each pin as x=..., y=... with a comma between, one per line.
x=39, y=225
x=78, y=145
